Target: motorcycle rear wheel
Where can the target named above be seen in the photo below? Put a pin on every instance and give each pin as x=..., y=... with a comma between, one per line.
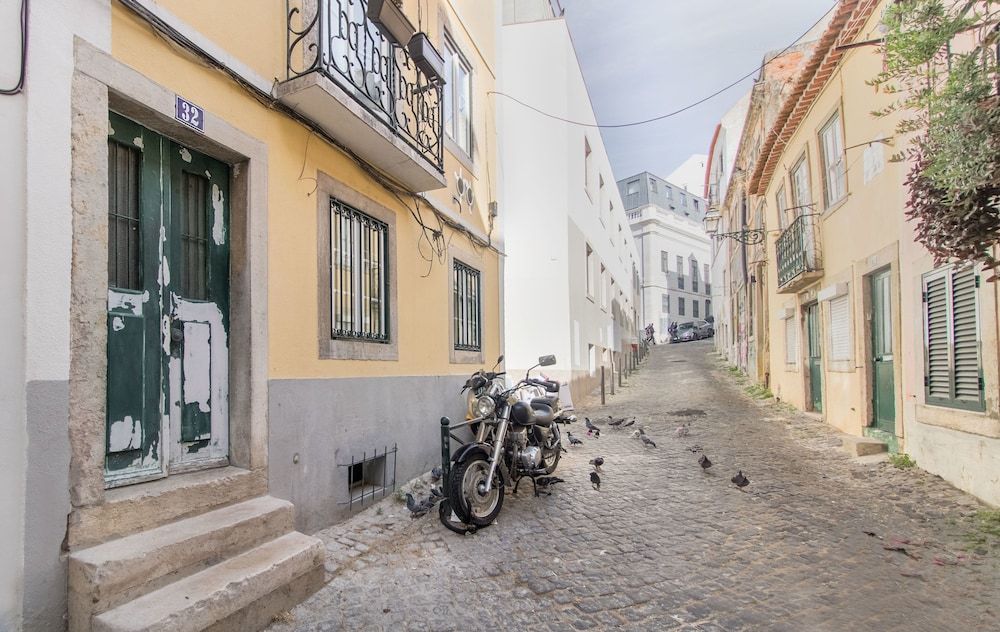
x=471, y=506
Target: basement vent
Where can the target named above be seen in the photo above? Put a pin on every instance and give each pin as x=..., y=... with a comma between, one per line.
x=370, y=477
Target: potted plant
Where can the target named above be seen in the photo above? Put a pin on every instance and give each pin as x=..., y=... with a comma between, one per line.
x=427, y=58
x=390, y=19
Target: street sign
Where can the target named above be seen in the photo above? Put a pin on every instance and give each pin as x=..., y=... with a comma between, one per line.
x=189, y=114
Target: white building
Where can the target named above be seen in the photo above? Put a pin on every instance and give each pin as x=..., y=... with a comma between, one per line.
x=674, y=251
x=722, y=156
x=571, y=263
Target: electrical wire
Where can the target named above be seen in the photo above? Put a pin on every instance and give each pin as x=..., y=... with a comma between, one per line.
x=19, y=86
x=675, y=112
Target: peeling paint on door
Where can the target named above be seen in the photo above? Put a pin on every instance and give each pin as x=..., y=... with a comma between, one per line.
x=218, y=216
x=125, y=434
x=118, y=323
x=185, y=154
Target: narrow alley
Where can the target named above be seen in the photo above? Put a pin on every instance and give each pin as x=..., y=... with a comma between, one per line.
x=816, y=541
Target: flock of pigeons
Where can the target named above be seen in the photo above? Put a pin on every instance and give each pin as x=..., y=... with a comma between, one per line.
x=683, y=430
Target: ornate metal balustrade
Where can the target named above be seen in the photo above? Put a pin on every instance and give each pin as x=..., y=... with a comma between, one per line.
x=335, y=38
x=798, y=251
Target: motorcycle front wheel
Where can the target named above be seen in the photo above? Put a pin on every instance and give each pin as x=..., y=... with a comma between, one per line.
x=464, y=488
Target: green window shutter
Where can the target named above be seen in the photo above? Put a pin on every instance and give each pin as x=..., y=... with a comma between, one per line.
x=965, y=329
x=937, y=376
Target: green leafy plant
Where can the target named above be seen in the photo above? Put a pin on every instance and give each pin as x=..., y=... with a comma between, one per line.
x=902, y=461
x=758, y=391
x=943, y=72
x=985, y=529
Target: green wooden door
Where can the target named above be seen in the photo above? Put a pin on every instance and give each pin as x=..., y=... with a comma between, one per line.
x=168, y=306
x=815, y=357
x=883, y=382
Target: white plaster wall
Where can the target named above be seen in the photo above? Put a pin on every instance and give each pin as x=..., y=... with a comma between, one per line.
x=54, y=24
x=976, y=471
x=13, y=436
x=548, y=215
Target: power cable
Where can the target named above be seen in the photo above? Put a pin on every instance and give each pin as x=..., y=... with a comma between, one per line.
x=19, y=86
x=678, y=111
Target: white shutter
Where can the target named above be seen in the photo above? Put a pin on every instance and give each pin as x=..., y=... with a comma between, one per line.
x=840, y=328
x=791, y=341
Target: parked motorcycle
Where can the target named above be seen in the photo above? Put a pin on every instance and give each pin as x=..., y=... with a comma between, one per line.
x=516, y=436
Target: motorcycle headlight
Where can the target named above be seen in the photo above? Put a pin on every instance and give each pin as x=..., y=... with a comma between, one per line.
x=485, y=406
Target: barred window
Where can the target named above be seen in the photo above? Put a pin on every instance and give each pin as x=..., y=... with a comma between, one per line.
x=358, y=279
x=468, y=311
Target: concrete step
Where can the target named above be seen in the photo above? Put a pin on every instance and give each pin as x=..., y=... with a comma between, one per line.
x=213, y=598
x=862, y=446
x=110, y=574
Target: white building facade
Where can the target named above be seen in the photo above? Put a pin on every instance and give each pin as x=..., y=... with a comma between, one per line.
x=666, y=222
x=571, y=263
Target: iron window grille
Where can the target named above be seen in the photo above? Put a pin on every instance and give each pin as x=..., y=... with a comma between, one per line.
x=124, y=238
x=358, y=274
x=468, y=312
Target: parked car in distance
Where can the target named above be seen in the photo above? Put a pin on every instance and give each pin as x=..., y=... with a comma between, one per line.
x=693, y=330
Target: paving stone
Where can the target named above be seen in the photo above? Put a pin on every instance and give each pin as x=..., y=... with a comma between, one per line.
x=665, y=546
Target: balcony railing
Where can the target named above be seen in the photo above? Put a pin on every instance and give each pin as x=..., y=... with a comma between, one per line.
x=335, y=38
x=799, y=256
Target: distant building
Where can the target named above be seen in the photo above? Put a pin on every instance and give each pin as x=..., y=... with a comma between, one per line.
x=674, y=251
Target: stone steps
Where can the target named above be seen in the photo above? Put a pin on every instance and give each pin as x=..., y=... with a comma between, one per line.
x=210, y=598
x=248, y=546
x=863, y=446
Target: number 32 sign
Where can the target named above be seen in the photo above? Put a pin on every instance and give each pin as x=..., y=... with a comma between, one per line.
x=189, y=114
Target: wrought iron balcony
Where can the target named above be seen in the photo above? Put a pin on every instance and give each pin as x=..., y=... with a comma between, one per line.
x=799, y=254
x=343, y=73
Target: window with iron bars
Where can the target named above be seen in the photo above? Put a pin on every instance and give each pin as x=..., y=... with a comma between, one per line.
x=468, y=312
x=359, y=283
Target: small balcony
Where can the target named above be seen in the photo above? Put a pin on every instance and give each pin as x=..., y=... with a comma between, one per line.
x=800, y=260
x=346, y=76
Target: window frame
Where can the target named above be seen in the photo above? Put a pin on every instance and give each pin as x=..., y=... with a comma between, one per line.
x=361, y=226
x=329, y=347
x=948, y=274
x=781, y=203
x=589, y=265
x=836, y=121
x=454, y=51
x=797, y=203
x=459, y=264
x=681, y=311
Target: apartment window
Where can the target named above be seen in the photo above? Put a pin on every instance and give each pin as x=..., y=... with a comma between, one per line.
x=665, y=304
x=684, y=199
x=781, y=199
x=834, y=170
x=632, y=188
x=358, y=247
x=680, y=305
x=587, y=164
x=791, y=341
x=708, y=285
x=664, y=262
x=694, y=308
x=124, y=237
x=653, y=187
x=670, y=192
x=604, y=287
x=457, y=97
x=680, y=265
x=953, y=360
x=694, y=275
x=708, y=308
x=590, y=272
x=467, y=306
x=801, y=196
x=696, y=206
x=591, y=360
x=840, y=329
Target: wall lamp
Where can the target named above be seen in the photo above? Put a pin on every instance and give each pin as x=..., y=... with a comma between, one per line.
x=750, y=236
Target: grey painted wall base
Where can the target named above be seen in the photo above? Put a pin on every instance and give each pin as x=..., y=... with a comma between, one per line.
x=46, y=506
x=326, y=422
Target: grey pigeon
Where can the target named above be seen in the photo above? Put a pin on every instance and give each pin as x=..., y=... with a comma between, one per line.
x=418, y=509
x=704, y=462
x=739, y=480
x=647, y=441
x=545, y=481
x=590, y=425
x=595, y=481
x=597, y=462
x=436, y=473
x=629, y=423
x=573, y=440
x=615, y=422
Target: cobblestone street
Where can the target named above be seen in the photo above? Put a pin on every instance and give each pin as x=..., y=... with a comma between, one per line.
x=817, y=541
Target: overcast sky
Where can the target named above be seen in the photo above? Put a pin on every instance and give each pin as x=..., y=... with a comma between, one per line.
x=642, y=58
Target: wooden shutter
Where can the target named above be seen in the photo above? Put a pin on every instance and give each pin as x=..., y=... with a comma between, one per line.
x=840, y=328
x=952, y=365
x=791, y=341
x=965, y=338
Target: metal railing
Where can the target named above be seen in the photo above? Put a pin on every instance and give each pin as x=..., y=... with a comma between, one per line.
x=798, y=249
x=335, y=38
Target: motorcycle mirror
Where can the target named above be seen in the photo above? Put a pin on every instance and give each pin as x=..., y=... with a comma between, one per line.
x=547, y=360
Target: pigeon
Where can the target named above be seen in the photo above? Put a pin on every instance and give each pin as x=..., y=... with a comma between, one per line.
x=682, y=431
x=629, y=423
x=739, y=480
x=615, y=422
x=704, y=462
x=573, y=440
x=647, y=441
x=597, y=433
x=595, y=481
x=694, y=448
x=418, y=509
x=436, y=494
x=543, y=483
x=590, y=425
x=436, y=473
x=597, y=462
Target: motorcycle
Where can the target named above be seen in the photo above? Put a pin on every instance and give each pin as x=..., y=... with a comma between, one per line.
x=516, y=428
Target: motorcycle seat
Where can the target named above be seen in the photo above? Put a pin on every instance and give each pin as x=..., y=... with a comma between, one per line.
x=544, y=401
x=543, y=415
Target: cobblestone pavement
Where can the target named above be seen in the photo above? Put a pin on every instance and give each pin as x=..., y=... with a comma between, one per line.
x=664, y=545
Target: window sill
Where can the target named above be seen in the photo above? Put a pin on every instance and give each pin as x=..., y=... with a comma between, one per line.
x=836, y=206
x=337, y=349
x=460, y=155
x=841, y=366
x=976, y=422
x=591, y=298
x=458, y=356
